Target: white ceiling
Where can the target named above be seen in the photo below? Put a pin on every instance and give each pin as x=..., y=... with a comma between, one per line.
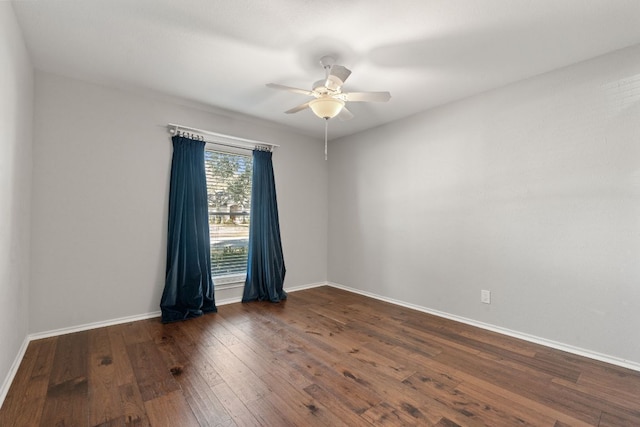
x=223, y=52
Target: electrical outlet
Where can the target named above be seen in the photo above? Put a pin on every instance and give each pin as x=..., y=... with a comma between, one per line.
x=485, y=296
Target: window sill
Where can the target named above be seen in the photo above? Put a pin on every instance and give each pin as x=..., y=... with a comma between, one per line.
x=229, y=282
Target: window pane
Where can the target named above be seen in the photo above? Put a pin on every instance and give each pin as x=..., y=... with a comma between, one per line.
x=229, y=194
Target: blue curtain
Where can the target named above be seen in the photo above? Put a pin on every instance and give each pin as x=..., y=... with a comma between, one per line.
x=188, y=290
x=265, y=266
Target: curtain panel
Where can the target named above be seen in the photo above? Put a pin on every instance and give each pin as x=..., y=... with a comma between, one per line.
x=265, y=265
x=188, y=290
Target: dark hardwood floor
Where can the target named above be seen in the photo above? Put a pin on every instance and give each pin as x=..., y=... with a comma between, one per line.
x=325, y=357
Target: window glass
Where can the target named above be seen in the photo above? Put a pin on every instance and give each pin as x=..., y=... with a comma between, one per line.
x=229, y=198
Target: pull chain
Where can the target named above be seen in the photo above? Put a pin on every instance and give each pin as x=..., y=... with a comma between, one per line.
x=326, y=130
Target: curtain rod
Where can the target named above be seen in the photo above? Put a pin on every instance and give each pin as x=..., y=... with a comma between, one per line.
x=222, y=139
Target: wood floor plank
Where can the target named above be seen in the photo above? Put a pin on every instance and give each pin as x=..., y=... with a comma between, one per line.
x=381, y=364
x=620, y=397
x=245, y=383
x=202, y=400
x=266, y=412
x=503, y=342
x=265, y=363
x=539, y=388
x=153, y=377
x=623, y=407
x=67, y=392
x=309, y=411
x=192, y=372
x=121, y=363
x=26, y=397
x=384, y=414
x=329, y=367
x=330, y=400
x=136, y=332
x=405, y=337
x=195, y=332
x=234, y=406
x=170, y=409
x=133, y=410
x=322, y=357
x=611, y=420
x=494, y=408
x=104, y=396
x=514, y=394
x=622, y=388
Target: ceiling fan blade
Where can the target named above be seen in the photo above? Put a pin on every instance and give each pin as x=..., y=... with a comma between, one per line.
x=290, y=89
x=298, y=108
x=345, y=114
x=368, y=96
x=340, y=72
x=336, y=77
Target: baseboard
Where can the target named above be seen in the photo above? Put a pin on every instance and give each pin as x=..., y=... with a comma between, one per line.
x=504, y=331
x=13, y=370
x=309, y=286
x=145, y=316
x=93, y=325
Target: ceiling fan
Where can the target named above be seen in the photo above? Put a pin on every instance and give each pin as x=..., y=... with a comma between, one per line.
x=329, y=99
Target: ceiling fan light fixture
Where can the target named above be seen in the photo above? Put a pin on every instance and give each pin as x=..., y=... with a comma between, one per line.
x=326, y=107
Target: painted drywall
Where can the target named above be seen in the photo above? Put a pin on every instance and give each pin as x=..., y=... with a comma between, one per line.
x=101, y=179
x=16, y=122
x=530, y=191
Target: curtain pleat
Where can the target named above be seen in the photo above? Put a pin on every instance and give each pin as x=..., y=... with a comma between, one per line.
x=188, y=290
x=265, y=265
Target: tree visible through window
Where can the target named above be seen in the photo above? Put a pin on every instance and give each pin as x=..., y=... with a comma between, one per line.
x=229, y=198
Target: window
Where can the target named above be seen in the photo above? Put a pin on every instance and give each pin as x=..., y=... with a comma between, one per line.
x=229, y=194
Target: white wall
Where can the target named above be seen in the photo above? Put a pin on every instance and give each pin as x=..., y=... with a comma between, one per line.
x=16, y=121
x=101, y=174
x=530, y=191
